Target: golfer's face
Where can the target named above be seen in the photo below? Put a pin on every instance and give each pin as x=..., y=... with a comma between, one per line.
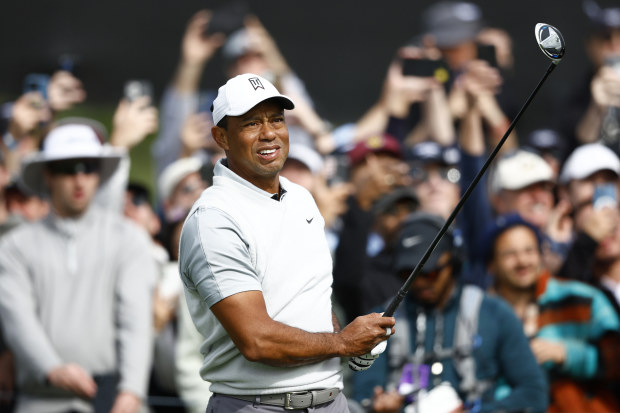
x=256, y=144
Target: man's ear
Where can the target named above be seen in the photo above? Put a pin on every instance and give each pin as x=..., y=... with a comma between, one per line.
x=220, y=135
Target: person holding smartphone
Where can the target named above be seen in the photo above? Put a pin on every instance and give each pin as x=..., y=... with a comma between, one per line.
x=583, y=113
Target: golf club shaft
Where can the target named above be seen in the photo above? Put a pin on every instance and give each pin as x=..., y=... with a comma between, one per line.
x=402, y=292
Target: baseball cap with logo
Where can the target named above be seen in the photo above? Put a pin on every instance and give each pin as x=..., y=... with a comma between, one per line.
x=417, y=233
x=588, y=159
x=519, y=169
x=381, y=143
x=242, y=93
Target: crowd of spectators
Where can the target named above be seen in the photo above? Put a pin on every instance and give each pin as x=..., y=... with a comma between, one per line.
x=88, y=256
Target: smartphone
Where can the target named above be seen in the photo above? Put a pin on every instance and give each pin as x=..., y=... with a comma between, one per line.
x=426, y=68
x=605, y=195
x=70, y=63
x=338, y=169
x=137, y=88
x=228, y=18
x=36, y=82
x=613, y=61
x=487, y=53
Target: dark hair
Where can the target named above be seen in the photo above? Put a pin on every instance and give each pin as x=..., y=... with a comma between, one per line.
x=223, y=123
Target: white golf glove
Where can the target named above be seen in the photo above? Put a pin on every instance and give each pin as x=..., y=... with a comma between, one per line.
x=360, y=363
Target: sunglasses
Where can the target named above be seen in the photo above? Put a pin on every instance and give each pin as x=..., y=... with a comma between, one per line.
x=434, y=274
x=74, y=167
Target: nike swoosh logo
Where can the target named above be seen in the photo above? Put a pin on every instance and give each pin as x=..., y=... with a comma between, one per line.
x=309, y=220
x=411, y=241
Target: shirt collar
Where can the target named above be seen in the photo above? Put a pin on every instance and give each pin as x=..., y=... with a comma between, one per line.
x=221, y=170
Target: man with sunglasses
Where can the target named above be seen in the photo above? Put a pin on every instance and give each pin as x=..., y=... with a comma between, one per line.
x=76, y=287
x=453, y=343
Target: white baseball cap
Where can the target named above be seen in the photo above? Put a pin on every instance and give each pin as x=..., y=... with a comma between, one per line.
x=242, y=93
x=588, y=159
x=518, y=170
x=174, y=173
x=307, y=156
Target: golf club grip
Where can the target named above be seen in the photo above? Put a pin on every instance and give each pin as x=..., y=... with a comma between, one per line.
x=402, y=292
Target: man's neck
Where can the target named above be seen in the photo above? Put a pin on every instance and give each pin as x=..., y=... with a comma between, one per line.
x=613, y=271
x=518, y=298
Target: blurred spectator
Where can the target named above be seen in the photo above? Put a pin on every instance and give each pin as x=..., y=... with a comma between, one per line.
x=605, y=266
x=436, y=176
x=591, y=110
x=138, y=208
x=7, y=221
x=303, y=165
x=523, y=182
x=29, y=117
x=549, y=145
x=574, y=332
x=93, y=284
x=378, y=282
x=179, y=185
x=455, y=27
x=441, y=175
x=453, y=341
x=250, y=49
x=24, y=205
x=192, y=388
x=376, y=168
x=591, y=169
x=588, y=167
x=412, y=106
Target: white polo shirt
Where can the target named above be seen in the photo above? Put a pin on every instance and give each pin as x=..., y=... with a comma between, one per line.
x=238, y=238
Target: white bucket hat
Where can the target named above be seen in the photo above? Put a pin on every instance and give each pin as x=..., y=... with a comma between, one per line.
x=242, y=93
x=70, y=141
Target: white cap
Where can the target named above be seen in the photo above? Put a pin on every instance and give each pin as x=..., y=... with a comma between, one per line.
x=518, y=170
x=307, y=156
x=588, y=159
x=242, y=93
x=174, y=173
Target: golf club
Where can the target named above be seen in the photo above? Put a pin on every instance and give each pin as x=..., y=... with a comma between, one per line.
x=551, y=42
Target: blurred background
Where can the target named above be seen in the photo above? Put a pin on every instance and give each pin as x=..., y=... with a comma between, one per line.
x=341, y=49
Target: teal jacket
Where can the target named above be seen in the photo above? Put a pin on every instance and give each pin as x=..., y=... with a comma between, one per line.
x=502, y=354
x=578, y=316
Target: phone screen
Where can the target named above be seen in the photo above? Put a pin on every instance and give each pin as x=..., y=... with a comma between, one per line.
x=135, y=89
x=605, y=196
x=487, y=53
x=228, y=18
x=426, y=68
x=36, y=82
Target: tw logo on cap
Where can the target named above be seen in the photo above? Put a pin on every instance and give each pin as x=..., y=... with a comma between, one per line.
x=256, y=83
